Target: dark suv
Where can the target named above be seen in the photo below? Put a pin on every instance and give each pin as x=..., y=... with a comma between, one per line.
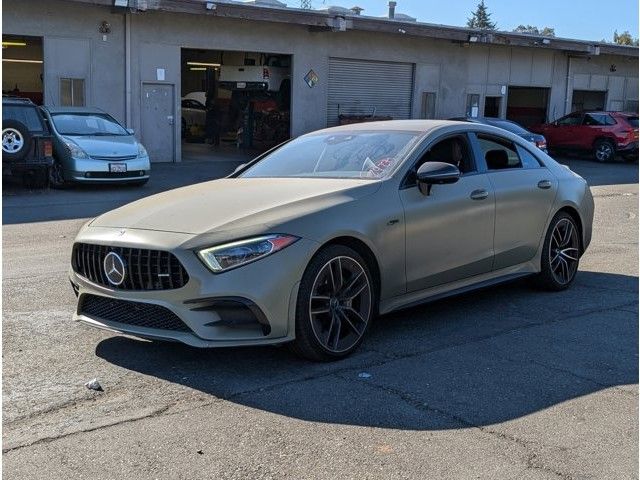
x=27, y=146
x=604, y=134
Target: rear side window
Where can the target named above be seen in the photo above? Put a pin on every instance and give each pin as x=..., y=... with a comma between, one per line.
x=29, y=116
x=598, y=119
x=633, y=121
x=499, y=153
x=528, y=159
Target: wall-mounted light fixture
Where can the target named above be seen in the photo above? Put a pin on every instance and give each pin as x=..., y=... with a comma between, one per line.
x=546, y=41
x=104, y=27
x=121, y=3
x=210, y=6
x=14, y=44
x=473, y=38
x=203, y=64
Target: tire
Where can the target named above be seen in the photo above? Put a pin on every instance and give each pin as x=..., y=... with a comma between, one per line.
x=604, y=151
x=560, y=254
x=16, y=140
x=56, y=177
x=338, y=325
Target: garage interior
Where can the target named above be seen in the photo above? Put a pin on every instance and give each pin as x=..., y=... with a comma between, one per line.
x=527, y=105
x=233, y=101
x=588, y=100
x=22, y=67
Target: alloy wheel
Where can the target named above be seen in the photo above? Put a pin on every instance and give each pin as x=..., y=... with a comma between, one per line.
x=604, y=152
x=564, y=251
x=340, y=304
x=12, y=140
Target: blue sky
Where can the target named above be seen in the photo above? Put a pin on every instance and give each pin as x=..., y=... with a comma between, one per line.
x=581, y=19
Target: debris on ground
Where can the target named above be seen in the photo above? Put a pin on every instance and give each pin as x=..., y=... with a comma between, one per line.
x=364, y=375
x=94, y=385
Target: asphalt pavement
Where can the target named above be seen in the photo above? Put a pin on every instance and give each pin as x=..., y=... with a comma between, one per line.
x=508, y=382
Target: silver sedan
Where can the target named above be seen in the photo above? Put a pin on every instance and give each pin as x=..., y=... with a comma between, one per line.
x=309, y=242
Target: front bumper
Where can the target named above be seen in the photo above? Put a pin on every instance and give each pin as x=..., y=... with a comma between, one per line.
x=97, y=171
x=268, y=286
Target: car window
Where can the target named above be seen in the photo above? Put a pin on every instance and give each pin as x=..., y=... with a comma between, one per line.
x=528, y=159
x=633, y=121
x=344, y=154
x=574, y=119
x=597, y=119
x=454, y=150
x=28, y=115
x=499, y=153
x=86, y=124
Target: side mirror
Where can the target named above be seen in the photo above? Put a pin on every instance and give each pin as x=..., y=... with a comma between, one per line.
x=436, y=173
x=130, y=131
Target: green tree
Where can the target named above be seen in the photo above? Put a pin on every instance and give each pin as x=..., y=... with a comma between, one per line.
x=306, y=4
x=545, y=32
x=481, y=18
x=624, y=38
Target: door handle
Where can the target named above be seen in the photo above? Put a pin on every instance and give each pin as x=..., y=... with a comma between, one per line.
x=544, y=184
x=479, y=194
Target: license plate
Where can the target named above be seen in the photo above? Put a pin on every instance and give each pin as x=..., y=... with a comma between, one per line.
x=117, y=167
x=241, y=85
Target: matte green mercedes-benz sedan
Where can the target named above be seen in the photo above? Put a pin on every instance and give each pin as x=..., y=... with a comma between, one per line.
x=307, y=243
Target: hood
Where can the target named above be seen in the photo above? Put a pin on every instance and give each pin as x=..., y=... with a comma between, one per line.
x=106, y=146
x=235, y=203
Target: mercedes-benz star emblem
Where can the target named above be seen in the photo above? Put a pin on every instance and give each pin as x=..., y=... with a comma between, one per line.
x=114, y=268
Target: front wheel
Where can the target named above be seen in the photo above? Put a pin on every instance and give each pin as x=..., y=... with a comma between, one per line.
x=604, y=151
x=560, y=254
x=336, y=303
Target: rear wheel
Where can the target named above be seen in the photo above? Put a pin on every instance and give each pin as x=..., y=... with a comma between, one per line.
x=560, y=254
x=604, y=151
x=16, y=140
x=336, y=303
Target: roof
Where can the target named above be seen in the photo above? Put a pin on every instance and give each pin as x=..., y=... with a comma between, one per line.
x=332, y=20
x=52, y=110
x=421, y=126
x=6, y=99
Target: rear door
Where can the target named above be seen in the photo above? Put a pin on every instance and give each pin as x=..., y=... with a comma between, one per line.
x=524, y=193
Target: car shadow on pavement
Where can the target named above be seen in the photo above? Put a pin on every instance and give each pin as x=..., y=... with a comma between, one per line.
x=477, y=359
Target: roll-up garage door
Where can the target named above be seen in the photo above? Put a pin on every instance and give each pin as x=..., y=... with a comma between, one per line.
x=360, y=87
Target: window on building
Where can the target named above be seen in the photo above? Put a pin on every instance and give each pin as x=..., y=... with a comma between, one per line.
x=428, y=105
x=473, y=105
x=499, y=153
x=72, y=92
x=631, y=106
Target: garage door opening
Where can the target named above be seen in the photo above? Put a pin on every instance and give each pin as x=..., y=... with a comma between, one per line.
x=492, y=106
x=588, y=100
x=233, y=102
x=361, y=90
x=22, y=67
x=527, y=105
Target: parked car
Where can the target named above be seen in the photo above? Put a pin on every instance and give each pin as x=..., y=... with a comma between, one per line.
x=308, y=242
x=194, y=115
x=27, y=145
x=603, y=134
x=510, y=126
x=267, y=75
x=90, y=146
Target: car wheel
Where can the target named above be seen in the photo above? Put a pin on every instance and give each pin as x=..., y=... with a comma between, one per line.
x=560, y=254
x=56, y=177
x=336, y=303
x=16, y=140
x=604, y=151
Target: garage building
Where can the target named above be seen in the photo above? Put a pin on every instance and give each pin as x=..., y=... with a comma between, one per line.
x=266, y=72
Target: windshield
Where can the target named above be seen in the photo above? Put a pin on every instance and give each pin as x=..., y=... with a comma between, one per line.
x=87, y=124
x=356, y=154
x=509, y=126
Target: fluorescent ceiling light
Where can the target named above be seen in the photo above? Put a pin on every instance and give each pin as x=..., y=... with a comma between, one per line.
x=14, y=44
x=17, y=60
x=203, y=64
x=120, y=3
x=198, y=69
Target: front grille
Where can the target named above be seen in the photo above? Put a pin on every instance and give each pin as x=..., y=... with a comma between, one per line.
x=131, y=174
x=115, y=159
x=144, y=269
x=139, y=314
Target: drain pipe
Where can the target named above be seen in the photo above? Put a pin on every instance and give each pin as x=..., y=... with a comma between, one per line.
x=127, y=68
x=567, y=104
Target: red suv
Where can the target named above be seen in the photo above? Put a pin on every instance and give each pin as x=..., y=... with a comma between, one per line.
x=605, y=134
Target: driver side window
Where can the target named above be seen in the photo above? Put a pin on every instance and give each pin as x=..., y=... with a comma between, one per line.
x=574, y=119
x=454, y=150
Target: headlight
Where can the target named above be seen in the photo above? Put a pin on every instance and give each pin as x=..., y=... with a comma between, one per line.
x=230, y=255
x=75, y=151
x=142, y=152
